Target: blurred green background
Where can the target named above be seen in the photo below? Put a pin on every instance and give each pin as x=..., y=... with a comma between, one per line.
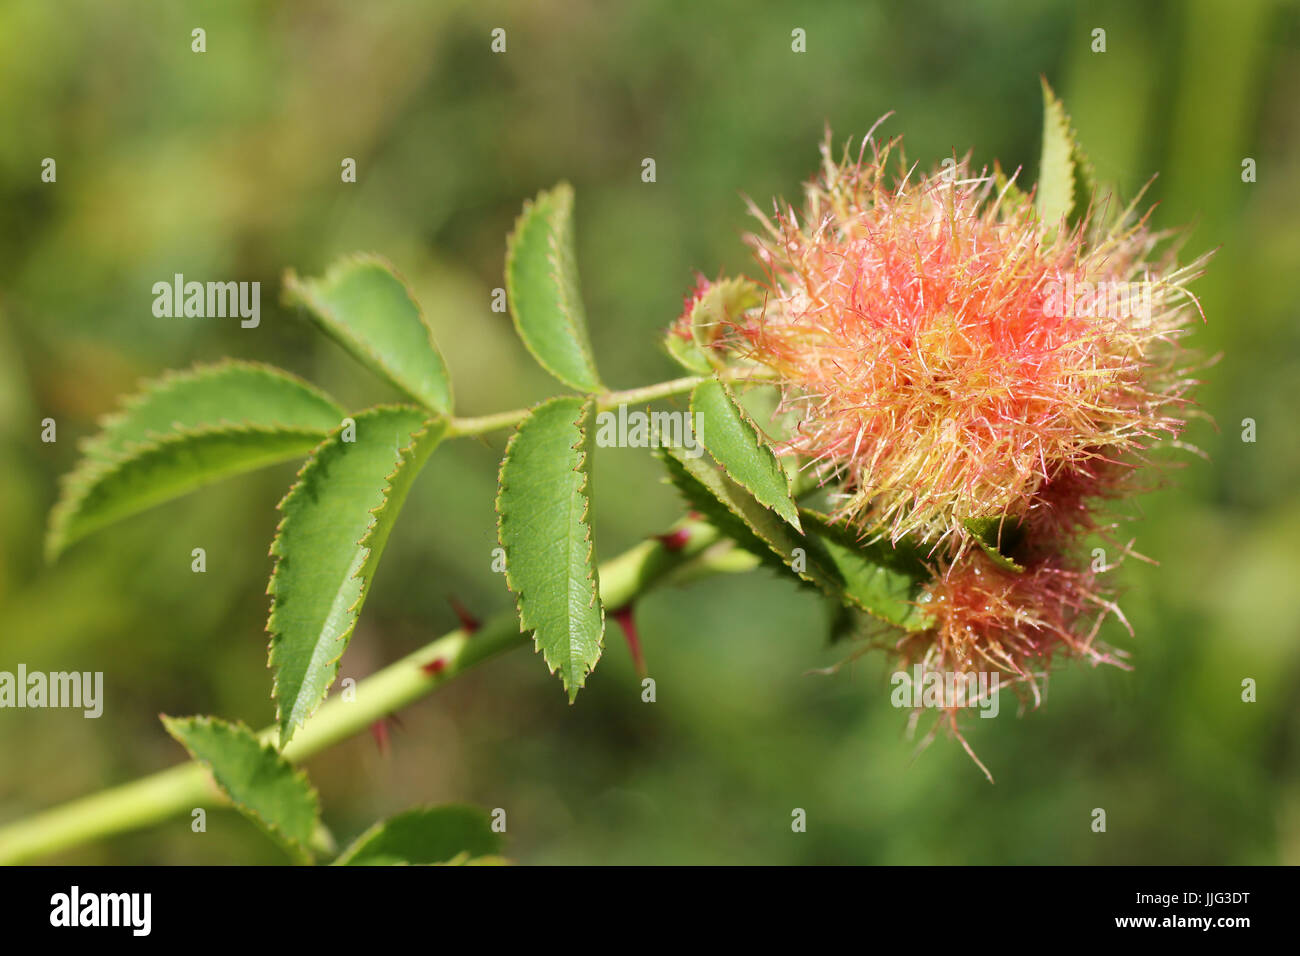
x=226, y=165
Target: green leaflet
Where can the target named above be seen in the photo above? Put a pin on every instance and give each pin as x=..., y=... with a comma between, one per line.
x=226, y=393
x=1065, y=177
x=542, y=288
x=336, y=521
x=687, y=354
x=721, y=302
x=724, y=301
x=168, y=469
x=542, y=510
x=183, y=431
x=368, y=309
x=735, y=443
x=700, y=498
x=761, y=525
x=883, y=581
x=423, y=836
x=998, y=538
x=261, y=784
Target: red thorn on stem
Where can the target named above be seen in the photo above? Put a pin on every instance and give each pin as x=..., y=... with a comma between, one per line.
x=625, y=620
x=435, y=666
x=468, y=622
x=674, y=540
x=379, y=730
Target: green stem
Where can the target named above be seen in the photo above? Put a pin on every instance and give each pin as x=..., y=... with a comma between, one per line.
x=161, y=795
x=605, y=401
x=180, y=789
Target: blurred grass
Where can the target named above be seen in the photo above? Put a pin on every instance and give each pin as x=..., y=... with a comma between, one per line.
x=226, y=165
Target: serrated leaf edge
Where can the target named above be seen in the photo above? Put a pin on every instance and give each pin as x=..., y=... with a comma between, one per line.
x=698, y=497
x=353, y=611
x=303, y=853
x=761, y=447
x=763, y=537
x=806, y=576
x=593, y=574
x=77, y=484
x=168, y=381
x=301, y=292
x=1081, y=168
x=991, y=549
x=378, y=826
x=562, y=192
x=738, y=285
x=845, y=538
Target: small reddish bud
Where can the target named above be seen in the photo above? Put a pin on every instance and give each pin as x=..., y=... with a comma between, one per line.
x=435, y=666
